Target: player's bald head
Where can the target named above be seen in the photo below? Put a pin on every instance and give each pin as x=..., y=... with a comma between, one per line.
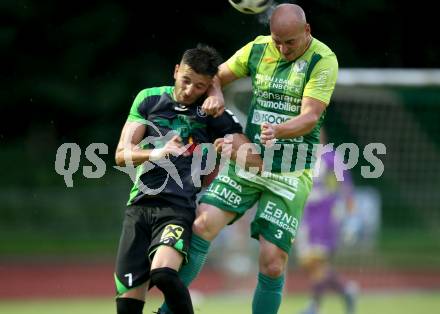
x=287, y=16
x=290, y=31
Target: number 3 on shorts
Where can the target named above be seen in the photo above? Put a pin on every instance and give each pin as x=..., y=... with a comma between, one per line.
x=279, y=234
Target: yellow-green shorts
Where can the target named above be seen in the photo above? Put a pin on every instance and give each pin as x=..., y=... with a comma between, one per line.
x=281, y=198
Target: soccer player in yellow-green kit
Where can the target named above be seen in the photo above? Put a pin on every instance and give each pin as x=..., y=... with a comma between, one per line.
x=293, y=77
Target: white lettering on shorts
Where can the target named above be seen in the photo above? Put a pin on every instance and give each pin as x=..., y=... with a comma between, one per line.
x=230, y=182
x=280, y=218
x=224, y=194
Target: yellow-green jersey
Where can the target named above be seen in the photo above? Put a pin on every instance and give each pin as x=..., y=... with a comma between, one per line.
x=278, y=88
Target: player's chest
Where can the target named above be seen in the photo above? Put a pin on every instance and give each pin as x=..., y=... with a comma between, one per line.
x=186, y=124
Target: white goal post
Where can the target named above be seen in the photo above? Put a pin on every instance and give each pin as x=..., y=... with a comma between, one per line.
x=398, y=76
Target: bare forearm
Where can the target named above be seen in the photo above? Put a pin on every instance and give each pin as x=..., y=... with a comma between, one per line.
x=298, y=126
x=216, y=88
x=223, y=78
x=134, y=154
x=245, y=153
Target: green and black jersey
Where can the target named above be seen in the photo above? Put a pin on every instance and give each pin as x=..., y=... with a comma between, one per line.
x=156, y=108
x=278, y=88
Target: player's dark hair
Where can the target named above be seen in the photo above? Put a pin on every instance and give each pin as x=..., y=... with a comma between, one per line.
x=203, y=59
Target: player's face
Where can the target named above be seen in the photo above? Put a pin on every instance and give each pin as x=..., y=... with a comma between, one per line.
x=189, y=85
x=292, y=43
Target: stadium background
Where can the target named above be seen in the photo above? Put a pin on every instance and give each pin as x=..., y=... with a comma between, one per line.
x=70, y=73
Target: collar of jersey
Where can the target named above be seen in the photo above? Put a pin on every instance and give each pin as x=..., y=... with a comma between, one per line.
x=176, y=105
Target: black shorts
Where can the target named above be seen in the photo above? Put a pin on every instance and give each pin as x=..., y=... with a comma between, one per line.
x=144, y=230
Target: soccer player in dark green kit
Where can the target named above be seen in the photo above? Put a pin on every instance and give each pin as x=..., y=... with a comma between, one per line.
x=165, y=128
x=293, y=77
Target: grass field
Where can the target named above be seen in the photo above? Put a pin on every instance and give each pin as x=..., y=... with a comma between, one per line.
x=383, y=303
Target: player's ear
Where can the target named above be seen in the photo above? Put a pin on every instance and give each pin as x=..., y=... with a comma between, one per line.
x=308, y=28
x=176, y=69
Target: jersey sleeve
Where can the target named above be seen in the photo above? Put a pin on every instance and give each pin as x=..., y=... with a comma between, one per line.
x=227, y=123
x=135, y=115
x=323, y=79
x=238, y=63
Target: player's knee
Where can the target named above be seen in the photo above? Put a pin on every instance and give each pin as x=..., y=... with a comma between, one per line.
x=273, y=266
x=201, y=226
x=210, y=221
x=165, y=279
x=273, y=270
x=205, y=227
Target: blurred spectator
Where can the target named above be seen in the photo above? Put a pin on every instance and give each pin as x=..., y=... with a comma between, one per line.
x=319, y=232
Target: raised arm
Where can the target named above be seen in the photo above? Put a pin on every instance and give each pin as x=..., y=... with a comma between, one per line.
x=214, y=104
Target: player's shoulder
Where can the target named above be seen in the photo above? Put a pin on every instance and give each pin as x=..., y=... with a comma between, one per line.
x=151, y=95
x=262, y=39
x=154, y=91
x=257, y=41
x=321, y=48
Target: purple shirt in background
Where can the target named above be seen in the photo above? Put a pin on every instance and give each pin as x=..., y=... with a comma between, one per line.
x=318, y=218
